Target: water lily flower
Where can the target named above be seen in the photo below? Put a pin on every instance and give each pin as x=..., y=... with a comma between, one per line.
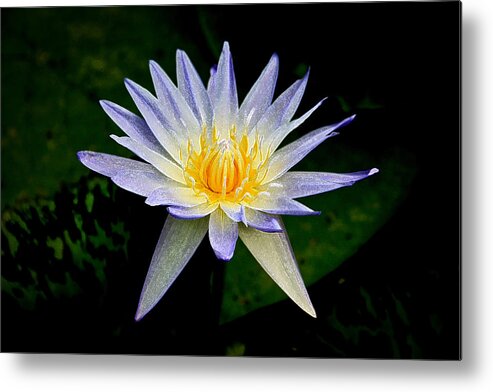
x=218, y=168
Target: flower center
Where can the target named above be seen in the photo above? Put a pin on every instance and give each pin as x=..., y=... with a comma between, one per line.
x=223, y=168
x=228, y=169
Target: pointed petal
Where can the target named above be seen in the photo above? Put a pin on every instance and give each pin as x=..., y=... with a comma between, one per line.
x=192, y=212
x=150, y=109
x=178, y=242
x=134, y=176
x=223, y=233
x=288, y=156
x=173, y=105
x=261, y=221
x=225, y=97
x=109, y=165
x=165, y=166
x=260, y=96
x=281, y=206
x=175, y=196
x=301, y=184
x=211, y=84
x=275, y=138
x=142, y=183
x=274, y=253
x=283, y=108
x=193, y=90
x=133, y=126
x=234, y=211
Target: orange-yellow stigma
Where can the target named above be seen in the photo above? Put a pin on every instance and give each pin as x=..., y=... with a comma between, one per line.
x=225, y=169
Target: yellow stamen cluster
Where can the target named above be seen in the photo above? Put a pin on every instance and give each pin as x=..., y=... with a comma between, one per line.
x=225, y=168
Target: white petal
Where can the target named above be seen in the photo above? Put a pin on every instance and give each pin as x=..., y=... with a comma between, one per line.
x=301, y=184
x=223, y=233
x=262, y=221
x=109, y=165
x=281, y=206
x=193, y=90
x=177, y=243
x=288, y=156
x=173, y=105
x=211, y=84
x=150, y=108
x=274, y=253
x=165, y=166
x=259, y=97
x=133, y=126
x=142, y=183
x=225, y=97
x=234, y=211
x=134, y=176
x=175, y=196
x=283, y=108
x=275, y=138
x=194, y=212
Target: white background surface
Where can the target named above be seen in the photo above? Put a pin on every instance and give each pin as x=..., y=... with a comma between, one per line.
x=474, y=373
